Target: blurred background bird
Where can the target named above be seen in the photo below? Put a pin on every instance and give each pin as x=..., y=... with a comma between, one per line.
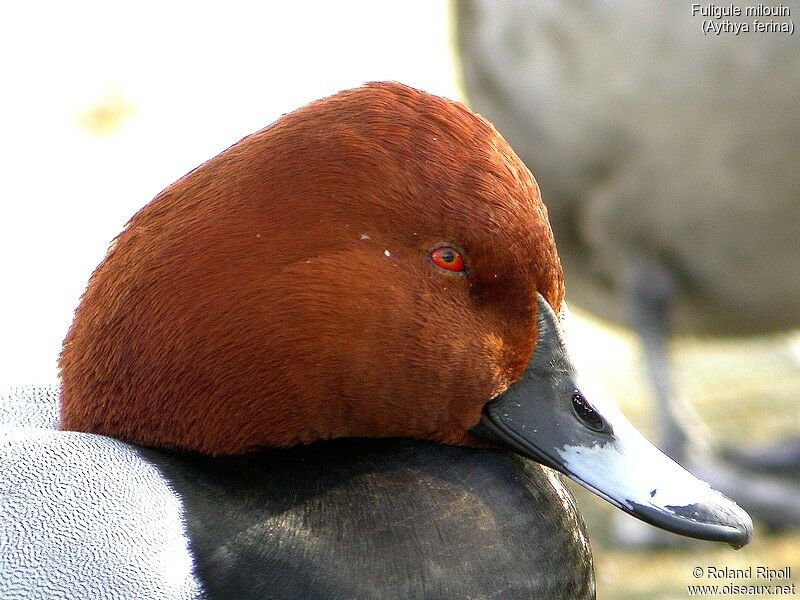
x=670, y=164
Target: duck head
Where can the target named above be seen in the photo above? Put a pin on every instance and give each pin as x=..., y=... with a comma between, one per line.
x=378, y=263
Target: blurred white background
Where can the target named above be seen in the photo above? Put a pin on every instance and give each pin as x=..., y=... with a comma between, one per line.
x=104, y=104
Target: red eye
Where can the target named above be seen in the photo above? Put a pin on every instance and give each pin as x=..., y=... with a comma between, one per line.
x=448, y=259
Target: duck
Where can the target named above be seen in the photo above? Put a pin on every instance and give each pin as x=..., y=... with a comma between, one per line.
x=673, y=178
x=329, y=363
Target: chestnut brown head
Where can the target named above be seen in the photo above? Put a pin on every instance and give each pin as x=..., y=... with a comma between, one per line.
x=365, y=266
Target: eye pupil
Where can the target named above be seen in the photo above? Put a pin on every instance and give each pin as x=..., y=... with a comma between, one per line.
x=448, y=256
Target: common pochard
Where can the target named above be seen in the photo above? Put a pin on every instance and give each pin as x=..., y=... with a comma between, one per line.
x=377, y=264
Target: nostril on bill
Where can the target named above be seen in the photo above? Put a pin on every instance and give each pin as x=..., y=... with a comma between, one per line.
x=587, y=413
